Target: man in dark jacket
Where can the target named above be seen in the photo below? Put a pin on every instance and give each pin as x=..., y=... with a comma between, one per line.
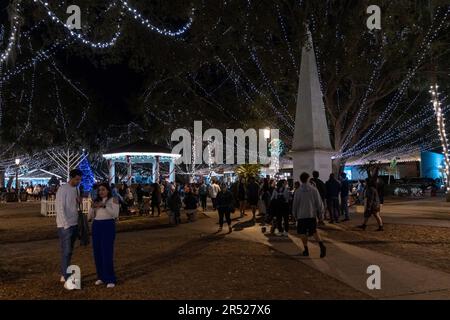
x=333, y=188
x=225, y=206
x=190, y=204
x=320, y=186
x=253, y=195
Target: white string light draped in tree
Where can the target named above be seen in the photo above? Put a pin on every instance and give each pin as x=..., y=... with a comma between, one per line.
x=440, y=120
x=13, y=37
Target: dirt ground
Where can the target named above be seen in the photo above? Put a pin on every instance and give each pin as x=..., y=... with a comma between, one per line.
x=424, y=245
x=157, y=262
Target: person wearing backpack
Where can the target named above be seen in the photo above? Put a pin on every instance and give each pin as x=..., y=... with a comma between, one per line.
x=174, y=204
x=372, y=207
x=225, y=206
x=280, y=207
x=190, y=204
x=320, y=186
x=203, y=194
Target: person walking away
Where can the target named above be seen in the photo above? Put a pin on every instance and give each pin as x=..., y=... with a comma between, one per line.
x=320, y=186
x=380, y=190
x=140, y=198
x=372, y=206
x=67, y=205
x=333, y=188
x=203, y=194
x=360, y=189
x=345, y=190
x=225, y=206
x=164, y=194
x=214, y=190
x=104, y=212
x=242, y=197
x=253, y=196
x=280, y=206
x=265, y=198
x=190, y=204
x=307, y=207
x=174, y=204
x=156, y=199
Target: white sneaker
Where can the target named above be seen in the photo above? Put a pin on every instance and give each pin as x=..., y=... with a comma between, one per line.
x=98, y=282
x=278, y=234
x=62, y=279
x=110, y=285
x=67, y=286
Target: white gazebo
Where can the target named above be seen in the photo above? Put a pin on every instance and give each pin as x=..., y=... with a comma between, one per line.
x=141, y=152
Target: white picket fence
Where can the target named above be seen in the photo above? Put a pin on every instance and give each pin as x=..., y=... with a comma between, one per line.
x=48, y=207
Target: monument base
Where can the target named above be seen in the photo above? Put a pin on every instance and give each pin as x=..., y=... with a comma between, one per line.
x=312, y=160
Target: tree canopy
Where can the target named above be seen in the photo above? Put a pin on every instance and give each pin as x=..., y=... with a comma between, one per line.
x=236, y=67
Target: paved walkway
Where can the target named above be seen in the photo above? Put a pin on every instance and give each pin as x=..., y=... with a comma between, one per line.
x=423, y=212
x=399, y=279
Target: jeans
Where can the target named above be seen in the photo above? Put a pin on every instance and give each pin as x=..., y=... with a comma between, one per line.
x=344, y=207
x=67, y=238
x=103, y=236
x=157, y=206
x=333, y=208
x=203, y=201
x=224, y=212
x=283, y=217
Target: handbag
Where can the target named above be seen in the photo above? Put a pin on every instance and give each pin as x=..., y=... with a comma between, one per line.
x=83, y=226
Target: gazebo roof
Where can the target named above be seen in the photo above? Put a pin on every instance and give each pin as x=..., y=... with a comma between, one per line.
x=139, y=148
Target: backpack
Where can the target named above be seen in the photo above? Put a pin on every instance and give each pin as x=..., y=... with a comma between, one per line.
x=279, y=202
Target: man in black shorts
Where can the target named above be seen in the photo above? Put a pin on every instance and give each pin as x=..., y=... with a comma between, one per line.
x=253, y=195
x=306, y=208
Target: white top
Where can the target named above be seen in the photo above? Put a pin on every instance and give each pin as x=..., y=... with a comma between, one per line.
x=66, y=205
x=110, y=211
x=215, y=189
x=284, y=192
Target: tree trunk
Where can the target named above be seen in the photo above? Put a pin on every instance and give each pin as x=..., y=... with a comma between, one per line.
x=338, y=166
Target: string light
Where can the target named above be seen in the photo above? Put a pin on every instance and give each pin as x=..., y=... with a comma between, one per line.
x=371, y=134
x=79, y=36
x=138, y=17
x=283, y=28
x=13, y=37
x=440, y=119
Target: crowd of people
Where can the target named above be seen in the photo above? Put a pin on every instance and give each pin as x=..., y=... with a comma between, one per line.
x=308, y=203
x=30, y=192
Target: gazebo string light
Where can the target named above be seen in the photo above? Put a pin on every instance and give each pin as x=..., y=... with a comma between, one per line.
x=138, y=153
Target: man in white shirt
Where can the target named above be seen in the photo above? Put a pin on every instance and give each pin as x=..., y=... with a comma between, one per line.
x=67, y=204
x=214, y=191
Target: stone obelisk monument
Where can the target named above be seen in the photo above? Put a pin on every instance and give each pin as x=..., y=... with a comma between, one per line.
x=311, y=148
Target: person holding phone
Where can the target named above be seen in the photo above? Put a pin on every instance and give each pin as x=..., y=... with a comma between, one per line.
x=104, y=212
x=67, y=204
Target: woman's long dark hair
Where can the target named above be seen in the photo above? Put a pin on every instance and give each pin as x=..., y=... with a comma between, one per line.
x=108, y=188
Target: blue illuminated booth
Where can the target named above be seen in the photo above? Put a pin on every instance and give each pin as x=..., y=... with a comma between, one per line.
x=141, y=152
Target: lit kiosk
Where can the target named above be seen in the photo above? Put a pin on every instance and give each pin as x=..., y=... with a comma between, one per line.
x=311, y=147
x=140, y=152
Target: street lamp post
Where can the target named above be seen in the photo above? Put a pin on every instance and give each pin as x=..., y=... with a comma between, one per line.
x=17, y=180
